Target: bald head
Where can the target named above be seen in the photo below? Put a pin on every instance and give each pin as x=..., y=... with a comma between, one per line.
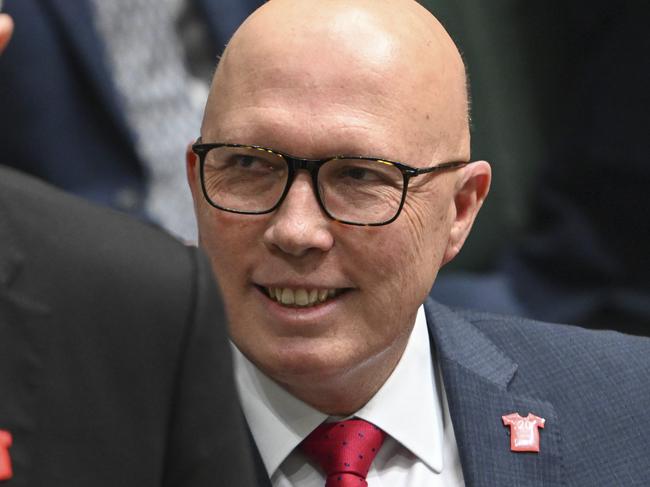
x=390, y=59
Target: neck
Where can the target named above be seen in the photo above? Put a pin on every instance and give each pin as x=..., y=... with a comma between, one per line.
x=347, y=392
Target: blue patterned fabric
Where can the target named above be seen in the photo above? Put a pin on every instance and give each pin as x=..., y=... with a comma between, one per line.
x=591, y=387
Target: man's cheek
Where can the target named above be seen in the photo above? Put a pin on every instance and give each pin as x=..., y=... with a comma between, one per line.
x=228, y=236
x=386, y=282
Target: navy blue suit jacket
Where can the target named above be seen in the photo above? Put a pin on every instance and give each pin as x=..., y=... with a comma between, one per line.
x=61, y=118
x=592, y=387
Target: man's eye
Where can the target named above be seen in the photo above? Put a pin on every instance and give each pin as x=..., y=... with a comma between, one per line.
x=356, y=173
x=250, y=163
x=246, y=162
x=361, y=174
x=365, y=175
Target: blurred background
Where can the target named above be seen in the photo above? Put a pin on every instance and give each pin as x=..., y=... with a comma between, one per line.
x=560, y=108
x=101, y=98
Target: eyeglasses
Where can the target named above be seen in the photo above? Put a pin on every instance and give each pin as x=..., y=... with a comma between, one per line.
x=354, y=190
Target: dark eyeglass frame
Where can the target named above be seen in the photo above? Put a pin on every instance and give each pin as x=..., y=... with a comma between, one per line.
x=313, y=166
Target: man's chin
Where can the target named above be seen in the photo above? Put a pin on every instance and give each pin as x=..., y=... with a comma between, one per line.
x=305, y=369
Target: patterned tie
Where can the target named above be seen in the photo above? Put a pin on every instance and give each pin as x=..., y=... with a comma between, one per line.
x=344, y=450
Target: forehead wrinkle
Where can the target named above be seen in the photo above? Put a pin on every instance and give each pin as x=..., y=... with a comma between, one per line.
x=323, y=134
x=317, y=70
x=308, y=94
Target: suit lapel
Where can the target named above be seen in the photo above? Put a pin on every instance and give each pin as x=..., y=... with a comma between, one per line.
x=78, y=31
x=477, y=377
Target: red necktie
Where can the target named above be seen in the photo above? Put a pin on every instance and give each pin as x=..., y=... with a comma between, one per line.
x=344, y=450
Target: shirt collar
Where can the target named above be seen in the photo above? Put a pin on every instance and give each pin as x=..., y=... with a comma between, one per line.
x=277, y=420
x=408, y=406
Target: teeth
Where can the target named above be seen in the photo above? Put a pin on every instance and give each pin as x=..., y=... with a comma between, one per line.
x=287, y=296
x=300, y=297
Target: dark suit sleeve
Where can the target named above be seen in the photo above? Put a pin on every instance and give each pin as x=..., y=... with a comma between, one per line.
x=206, y=446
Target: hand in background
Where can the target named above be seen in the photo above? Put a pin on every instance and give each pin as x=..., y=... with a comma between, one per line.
x=6, y=28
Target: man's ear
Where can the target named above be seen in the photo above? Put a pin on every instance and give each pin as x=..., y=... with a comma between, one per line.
x=192, y=170
x=471, y=189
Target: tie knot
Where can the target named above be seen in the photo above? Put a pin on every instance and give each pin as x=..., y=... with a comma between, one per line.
x=344, y=450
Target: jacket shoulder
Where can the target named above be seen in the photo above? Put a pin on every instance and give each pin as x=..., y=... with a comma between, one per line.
x=82, y=259
x=46, y=220
x=528, y=340
x=513, y=333
x=571, y=364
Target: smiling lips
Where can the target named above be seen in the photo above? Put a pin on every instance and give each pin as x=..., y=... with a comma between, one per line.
x=301, y=297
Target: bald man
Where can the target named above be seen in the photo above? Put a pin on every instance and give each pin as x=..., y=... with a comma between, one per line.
x=331, y=182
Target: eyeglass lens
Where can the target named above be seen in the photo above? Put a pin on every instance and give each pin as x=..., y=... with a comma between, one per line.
x=253, y=180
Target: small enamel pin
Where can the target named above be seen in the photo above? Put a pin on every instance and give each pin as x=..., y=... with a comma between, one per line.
x=5, y=460
x=524, y=432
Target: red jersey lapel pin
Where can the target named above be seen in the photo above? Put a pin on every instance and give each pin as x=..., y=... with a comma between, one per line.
x=5, y=460
x=524, y=432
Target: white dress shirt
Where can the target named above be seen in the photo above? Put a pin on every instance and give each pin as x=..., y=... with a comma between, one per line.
x=420, y=448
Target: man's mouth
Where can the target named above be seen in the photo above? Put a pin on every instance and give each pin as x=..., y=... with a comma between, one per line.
x=301, y=297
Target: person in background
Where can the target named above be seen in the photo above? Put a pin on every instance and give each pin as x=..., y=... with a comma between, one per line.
x=331, y=181
x=100, y=98
x=114, y=363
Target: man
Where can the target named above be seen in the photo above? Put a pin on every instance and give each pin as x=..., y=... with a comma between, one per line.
x=326, y=248
x=114, y=368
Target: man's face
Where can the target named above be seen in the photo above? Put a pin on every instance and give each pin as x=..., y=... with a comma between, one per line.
x=376, y=277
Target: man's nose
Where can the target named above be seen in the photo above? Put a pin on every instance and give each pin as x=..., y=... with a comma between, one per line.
x=299, y=224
